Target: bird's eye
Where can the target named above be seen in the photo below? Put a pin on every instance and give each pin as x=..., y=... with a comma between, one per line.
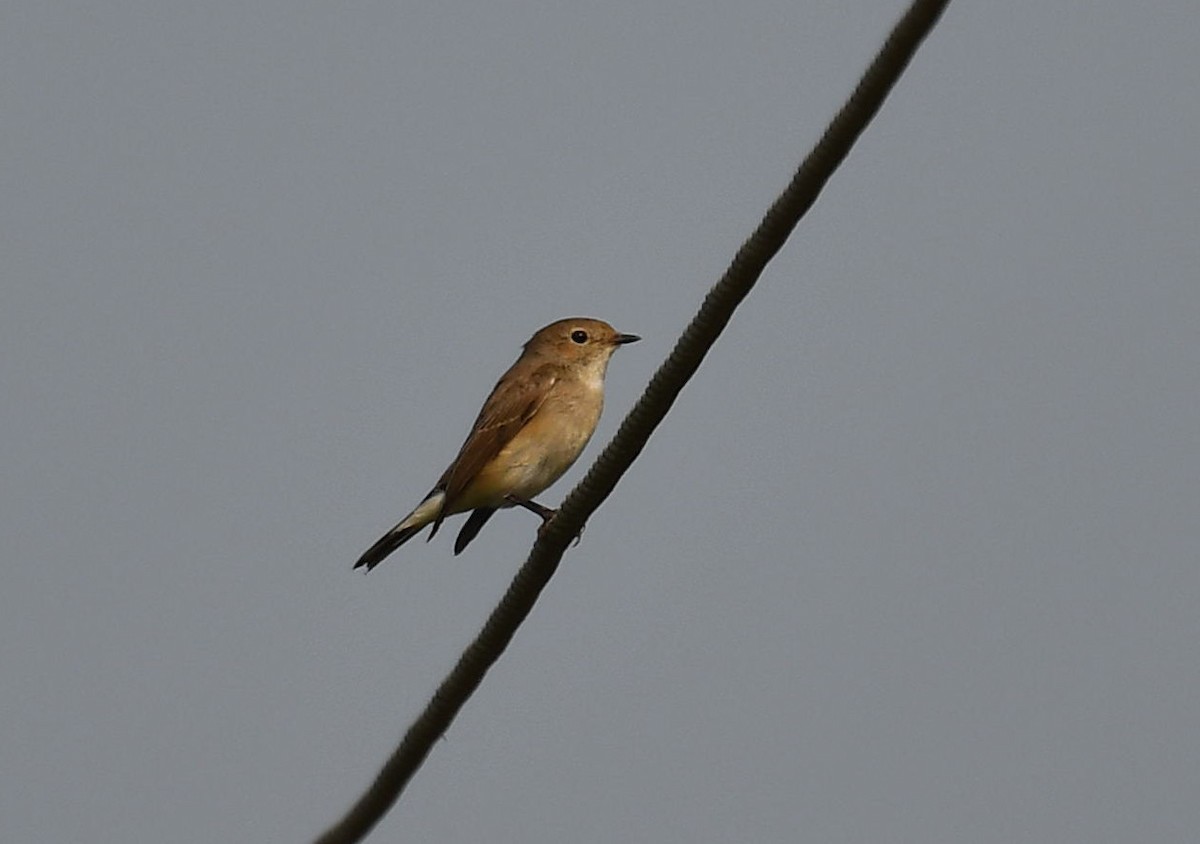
x=579, y=336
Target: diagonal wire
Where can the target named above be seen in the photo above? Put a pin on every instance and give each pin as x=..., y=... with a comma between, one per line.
x=664, y=387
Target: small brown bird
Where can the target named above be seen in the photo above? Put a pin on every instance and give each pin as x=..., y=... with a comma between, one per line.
x=532, y=428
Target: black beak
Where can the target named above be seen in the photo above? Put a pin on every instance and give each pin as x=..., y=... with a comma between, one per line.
x=622, y=339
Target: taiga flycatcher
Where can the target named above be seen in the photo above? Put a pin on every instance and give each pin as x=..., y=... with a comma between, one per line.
x=533, y=426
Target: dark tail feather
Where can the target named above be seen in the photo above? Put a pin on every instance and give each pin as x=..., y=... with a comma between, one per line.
x=388, y=543
x=477, y=520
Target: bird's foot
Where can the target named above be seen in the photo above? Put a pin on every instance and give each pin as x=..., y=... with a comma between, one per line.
x=545, y=512
x=578, y=536
x=532, y=506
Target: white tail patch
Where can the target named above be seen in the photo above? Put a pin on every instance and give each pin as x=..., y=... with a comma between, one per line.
x=425, y=513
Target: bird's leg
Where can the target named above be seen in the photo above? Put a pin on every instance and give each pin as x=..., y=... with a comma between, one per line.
x=532, y=506
x=545, y=512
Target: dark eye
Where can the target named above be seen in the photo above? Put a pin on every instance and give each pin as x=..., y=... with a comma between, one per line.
x=579, y=336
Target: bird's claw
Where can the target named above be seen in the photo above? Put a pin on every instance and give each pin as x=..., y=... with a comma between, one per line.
x=546, y=525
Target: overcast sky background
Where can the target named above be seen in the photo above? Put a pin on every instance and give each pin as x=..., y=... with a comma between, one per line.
x=914, y=557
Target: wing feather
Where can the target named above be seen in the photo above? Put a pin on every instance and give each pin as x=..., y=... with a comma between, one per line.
x=515, y=400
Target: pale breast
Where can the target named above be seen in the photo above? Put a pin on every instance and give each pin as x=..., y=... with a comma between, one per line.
x=554, y=438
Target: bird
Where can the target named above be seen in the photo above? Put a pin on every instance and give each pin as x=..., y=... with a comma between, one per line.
x=532, y=428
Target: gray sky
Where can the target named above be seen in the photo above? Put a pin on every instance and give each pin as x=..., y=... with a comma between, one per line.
x=914, y=558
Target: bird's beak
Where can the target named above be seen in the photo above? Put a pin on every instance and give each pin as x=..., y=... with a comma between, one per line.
x=622, y=339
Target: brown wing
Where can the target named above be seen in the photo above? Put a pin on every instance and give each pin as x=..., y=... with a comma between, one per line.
x=513, y=402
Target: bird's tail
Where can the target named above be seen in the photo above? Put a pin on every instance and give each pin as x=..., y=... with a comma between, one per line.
x=413, y=523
